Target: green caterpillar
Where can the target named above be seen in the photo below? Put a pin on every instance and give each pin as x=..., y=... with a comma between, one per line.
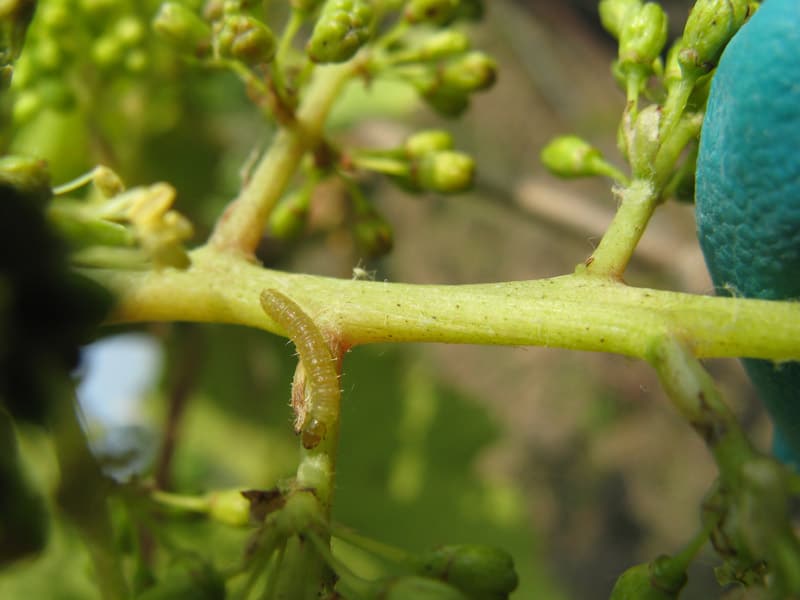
x=322, y=408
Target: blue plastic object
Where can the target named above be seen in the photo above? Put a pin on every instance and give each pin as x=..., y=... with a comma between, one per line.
x=748, y=189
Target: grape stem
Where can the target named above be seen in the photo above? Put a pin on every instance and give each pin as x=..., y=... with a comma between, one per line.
x=578, y=311
x=240, y=227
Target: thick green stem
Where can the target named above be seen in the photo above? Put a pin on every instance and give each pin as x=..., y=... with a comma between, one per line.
x=241, y=226
x=612, y=255
x=695, y=395
x=573, y=311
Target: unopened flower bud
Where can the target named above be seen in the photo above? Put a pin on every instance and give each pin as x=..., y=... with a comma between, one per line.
x=245, y=38
x=472, y=72
x=657, y=580
x=643, y=36
x=229, y=507
x=289, y=217
x=373, y=235
x=570, y=156
x=425, y=142
x=442, y=44
x=413, y=586
x=479, y=571
x=342, y=28
x=445, y=171
x=709, y=28
x=615, y=13
x=435, y=12
x=447, y=101
x=182, y=28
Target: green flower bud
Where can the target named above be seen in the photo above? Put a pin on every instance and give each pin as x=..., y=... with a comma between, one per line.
x=129, y=30
x=289, y=217
x=445, y=171
x=107, y=51
x=643, y=36
x=183, y=29
x=656, y=580
x=435, y=12
x=373, y=235
x=709, y=28
x=28, y=175
x=245, y=38
x=425, y=142
x=26, y=105
x=407, y=587
x=470, y=73
x=229, y=507
x=570, y=156
x=614, y=14
x=448, y=102
x=442, y=44
x=481, y=572
x=342, y=28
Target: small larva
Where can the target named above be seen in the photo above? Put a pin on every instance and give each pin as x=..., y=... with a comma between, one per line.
x=322, y=409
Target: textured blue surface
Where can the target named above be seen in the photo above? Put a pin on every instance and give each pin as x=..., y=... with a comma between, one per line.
x=748, y=188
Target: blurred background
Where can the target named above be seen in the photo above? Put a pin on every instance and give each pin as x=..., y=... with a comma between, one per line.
x=574, y=462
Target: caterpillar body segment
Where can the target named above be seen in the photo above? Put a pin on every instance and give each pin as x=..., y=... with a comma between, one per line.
x=318, y=365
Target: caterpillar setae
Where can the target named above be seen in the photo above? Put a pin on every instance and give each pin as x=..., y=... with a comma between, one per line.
x=322, y=407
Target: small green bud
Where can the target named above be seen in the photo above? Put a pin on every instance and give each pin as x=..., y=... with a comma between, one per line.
x=245, y=38
x=229, y=507
x=447, y=101
x=373, y=235
x=408, y=587
x=435, y=12
x=129, y=30
x=570, y=156
x=445, y=171
x=656, y=580
x=425, y=142
x=643, y=36
x=289, y=217
x=709, y=28
x=342, y=28
x=26, y=105
x=472, y=72
x=442, y=44
x=29, y=175
x=55, y=17
x=614, y=14
x=481, y=572
x=107, y=51
x=183, y=29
